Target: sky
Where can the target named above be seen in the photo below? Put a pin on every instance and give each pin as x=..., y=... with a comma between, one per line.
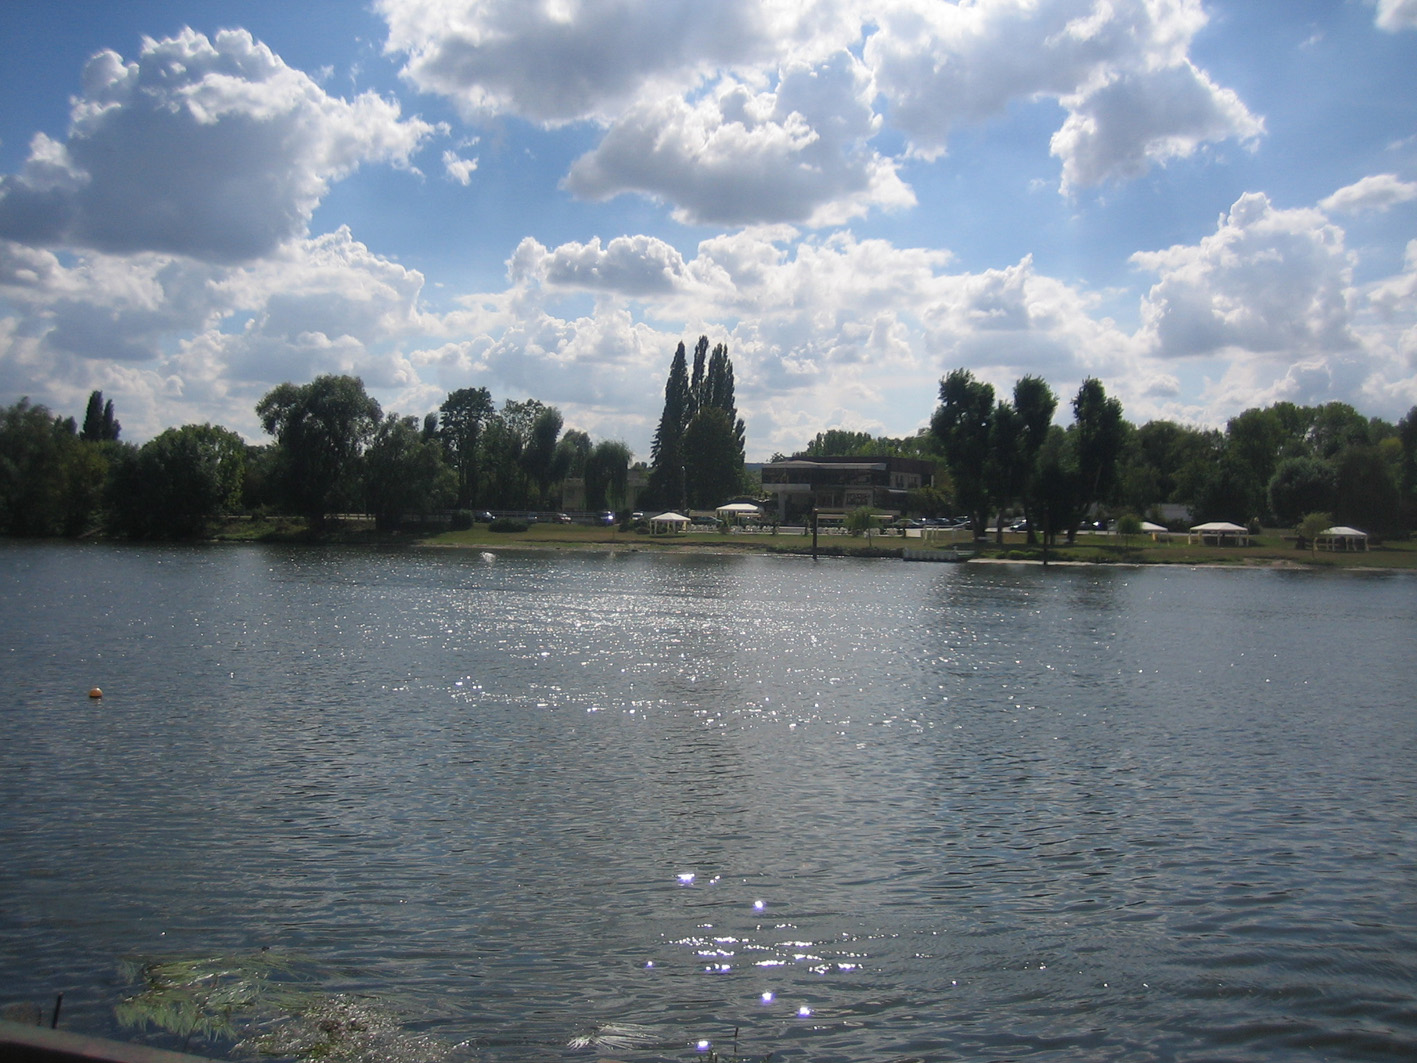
x=1208, y=206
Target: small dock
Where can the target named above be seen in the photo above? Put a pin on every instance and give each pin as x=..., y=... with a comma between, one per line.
x=954, y=556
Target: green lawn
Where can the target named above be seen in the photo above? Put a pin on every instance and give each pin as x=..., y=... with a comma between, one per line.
x=1270, y=548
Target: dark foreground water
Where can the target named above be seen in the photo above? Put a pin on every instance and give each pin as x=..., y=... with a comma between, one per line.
x=525, y=807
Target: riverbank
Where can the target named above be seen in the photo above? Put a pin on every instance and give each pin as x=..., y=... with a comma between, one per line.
x=1269, y=550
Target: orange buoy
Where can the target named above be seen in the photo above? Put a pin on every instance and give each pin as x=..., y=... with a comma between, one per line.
x=96, y=693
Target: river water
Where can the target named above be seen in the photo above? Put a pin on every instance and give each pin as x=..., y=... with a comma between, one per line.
x=536, y=807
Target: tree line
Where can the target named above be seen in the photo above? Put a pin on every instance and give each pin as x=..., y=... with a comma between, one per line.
x=1270, y=466
x=333, y=450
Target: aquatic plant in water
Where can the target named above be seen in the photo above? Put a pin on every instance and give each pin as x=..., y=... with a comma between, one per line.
x=266, y=1006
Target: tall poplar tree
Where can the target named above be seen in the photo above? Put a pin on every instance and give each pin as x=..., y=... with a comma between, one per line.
x=677, y=476
x=666, y=478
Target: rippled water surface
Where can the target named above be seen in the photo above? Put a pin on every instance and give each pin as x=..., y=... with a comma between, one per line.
x=544, y=807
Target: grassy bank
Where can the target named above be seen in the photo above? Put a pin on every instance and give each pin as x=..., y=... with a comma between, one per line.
x=1269, y=549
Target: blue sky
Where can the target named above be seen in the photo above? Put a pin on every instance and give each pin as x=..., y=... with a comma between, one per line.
x=1208, y=206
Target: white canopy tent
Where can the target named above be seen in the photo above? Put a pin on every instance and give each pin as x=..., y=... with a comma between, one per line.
x=1220, y=532
x=1152, y=529
x=738, y=511
x=668, y=522
x=1341, y=537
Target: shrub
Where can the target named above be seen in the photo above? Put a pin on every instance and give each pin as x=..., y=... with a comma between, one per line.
x=462, y=519
x=508, y=526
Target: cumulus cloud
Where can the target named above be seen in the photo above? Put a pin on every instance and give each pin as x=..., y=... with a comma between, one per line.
x=167, y=333
x=213, y=149
x=738, y=157
x=566, y=60
x=1396, y=15
x=1139, y=120
x=749, y=112
x=1378, y=192
x=1267, y=281
x=628, y=265
x=1120, y=70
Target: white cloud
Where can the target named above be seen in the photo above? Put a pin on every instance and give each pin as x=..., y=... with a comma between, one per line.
x=1120, y=69
x=738, y=157
x=1267, y=305
x=1268, y=282
x=459, y=169
x=559, y=62
x=629, y=265
x=213, y=149
x=1396, y=15
x=1378, y=192
x=748, y=112
x=166, y=333
x=1145, y=119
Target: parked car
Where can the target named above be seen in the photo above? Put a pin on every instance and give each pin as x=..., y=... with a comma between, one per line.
x=1019, y=526
x=562, y=518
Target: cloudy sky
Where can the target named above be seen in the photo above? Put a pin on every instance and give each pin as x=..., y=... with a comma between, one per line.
x=1208, y=205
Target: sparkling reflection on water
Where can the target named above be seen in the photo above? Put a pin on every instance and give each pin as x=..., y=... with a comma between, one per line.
x=852, y=810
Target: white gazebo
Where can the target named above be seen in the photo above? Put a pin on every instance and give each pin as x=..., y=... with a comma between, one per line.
x=736, y=512
x=1221, y=533
x=668, y=522
x=1341, y=537
x=1153, y=529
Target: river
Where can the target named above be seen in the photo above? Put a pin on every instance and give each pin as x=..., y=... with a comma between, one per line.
x=533, y=806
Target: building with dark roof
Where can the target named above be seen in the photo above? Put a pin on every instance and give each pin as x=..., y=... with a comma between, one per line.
x=834, y=486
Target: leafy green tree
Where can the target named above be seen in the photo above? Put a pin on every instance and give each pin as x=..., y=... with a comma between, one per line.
x=718, y=391
x=1174, y=454
x=1407, y=469
x=176, y=484
x=1253, y=441
x=405, y=473
x=573, y=452
x=1312, y=526
x=51, y=481
x=961, y=424
x=539, y=456
x=1101, y=435
x=1299, y=486
x=1004, y=469
x=1056, y=500
x=711, y=386
x=1337, y=425
x=607, y=474
x=465, y=413
x=100, y=426
x=1225, y=491
x=838, y=443
x=321, y=429
x=933, y=501
x=1367, y=492
x=502, y=478
x=1034, y=405
x=861, y=519
x=712, y=466
x=666, y=478
x=1128, y=527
